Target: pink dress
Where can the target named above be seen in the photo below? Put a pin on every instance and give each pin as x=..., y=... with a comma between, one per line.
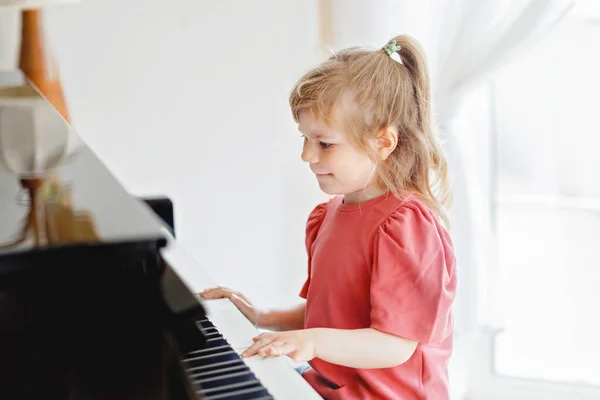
x=387, y=264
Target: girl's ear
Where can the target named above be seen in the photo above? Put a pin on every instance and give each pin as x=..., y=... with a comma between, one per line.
x=387, y=140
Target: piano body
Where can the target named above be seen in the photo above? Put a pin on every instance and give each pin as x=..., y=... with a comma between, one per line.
x=95, y=294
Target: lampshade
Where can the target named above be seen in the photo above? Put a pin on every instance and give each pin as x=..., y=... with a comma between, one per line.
x=34, y=138
x=33, y=3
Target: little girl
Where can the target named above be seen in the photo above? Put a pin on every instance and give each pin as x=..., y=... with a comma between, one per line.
x=377, y=320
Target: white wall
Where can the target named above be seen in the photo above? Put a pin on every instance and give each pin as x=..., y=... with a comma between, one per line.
x=189, y=99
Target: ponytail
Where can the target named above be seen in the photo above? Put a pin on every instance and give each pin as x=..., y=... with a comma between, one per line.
x=412, y=59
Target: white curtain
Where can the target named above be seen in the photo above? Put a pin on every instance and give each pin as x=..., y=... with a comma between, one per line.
x=474, y=38
x=465, y=41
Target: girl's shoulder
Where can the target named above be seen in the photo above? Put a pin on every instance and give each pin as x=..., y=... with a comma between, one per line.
x=317, y=213
x=412, y=224
x=314, y=222
x=410, y=210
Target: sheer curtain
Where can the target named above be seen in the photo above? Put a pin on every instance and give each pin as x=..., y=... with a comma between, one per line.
x=465, y=41
x=473, y=39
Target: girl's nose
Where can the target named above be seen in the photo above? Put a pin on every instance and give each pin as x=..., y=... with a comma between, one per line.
x=309, y=153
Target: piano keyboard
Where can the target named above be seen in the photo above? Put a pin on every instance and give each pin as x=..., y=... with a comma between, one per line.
x=218, y=372
x=274, y=374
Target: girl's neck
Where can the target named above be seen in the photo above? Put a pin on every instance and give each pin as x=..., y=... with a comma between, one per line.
x=361, y=196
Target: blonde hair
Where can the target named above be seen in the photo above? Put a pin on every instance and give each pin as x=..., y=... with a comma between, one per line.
x=384, y=93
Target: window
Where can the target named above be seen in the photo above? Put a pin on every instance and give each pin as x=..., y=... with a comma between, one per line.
x=546, y=208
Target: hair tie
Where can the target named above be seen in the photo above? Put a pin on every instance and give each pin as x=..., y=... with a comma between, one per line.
x=392, y=49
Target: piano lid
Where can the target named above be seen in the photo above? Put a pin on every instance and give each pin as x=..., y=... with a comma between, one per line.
x=54, y=192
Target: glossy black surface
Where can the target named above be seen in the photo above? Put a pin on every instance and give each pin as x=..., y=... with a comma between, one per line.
x=88, y=308
x=94, y=194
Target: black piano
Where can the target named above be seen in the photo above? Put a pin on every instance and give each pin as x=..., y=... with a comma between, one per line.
x=88, y=307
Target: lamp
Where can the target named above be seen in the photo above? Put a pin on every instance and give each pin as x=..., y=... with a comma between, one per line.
x=35, y=58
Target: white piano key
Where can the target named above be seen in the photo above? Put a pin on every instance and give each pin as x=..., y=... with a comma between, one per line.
x=282, y=381
x=231, y=323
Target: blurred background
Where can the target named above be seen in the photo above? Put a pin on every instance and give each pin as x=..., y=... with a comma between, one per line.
x=188, y=99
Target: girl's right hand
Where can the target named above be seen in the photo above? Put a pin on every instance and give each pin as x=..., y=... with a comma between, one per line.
x=238, y=299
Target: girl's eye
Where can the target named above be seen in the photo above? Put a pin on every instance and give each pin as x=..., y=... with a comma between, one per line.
x=324, y=145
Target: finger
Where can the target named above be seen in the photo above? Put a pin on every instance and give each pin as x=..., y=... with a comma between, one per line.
x=211, y=295
x=238, y=301
x=255, y=347
x=277, y=348
x=211, y=289
x=271, y=349
x=242, y=296
x=247, y=309
x=218, y=294
x=262, y=335
x=206, y=292
x=294, y=355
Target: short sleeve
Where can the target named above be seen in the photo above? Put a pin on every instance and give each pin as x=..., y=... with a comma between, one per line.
x=413, y=282
x=313, y=224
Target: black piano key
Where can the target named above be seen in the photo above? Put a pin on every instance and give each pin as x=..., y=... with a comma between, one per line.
x=213, y=358
x=211, y=343
x=241, y=394
x=216, y=342
x=210, y=367
x=208, y=330
x=230, y=378
x=205, y=323
x=227, y=382
x=218, y=372
x=229, y=388
x=212, y=348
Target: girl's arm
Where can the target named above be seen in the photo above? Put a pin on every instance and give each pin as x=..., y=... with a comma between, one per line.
x=357, y=348
x=283, y=319
x=275, y=320
x=362, y=348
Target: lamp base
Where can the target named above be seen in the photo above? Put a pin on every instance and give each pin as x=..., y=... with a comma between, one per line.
x=36, y=61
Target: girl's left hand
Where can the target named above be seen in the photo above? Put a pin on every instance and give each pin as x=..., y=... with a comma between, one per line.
x=299, y=345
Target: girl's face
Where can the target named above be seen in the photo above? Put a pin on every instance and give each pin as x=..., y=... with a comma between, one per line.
x=340, y=166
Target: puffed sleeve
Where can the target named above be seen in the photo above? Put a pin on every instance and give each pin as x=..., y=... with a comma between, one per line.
x=413, y=283
x=315, y=219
